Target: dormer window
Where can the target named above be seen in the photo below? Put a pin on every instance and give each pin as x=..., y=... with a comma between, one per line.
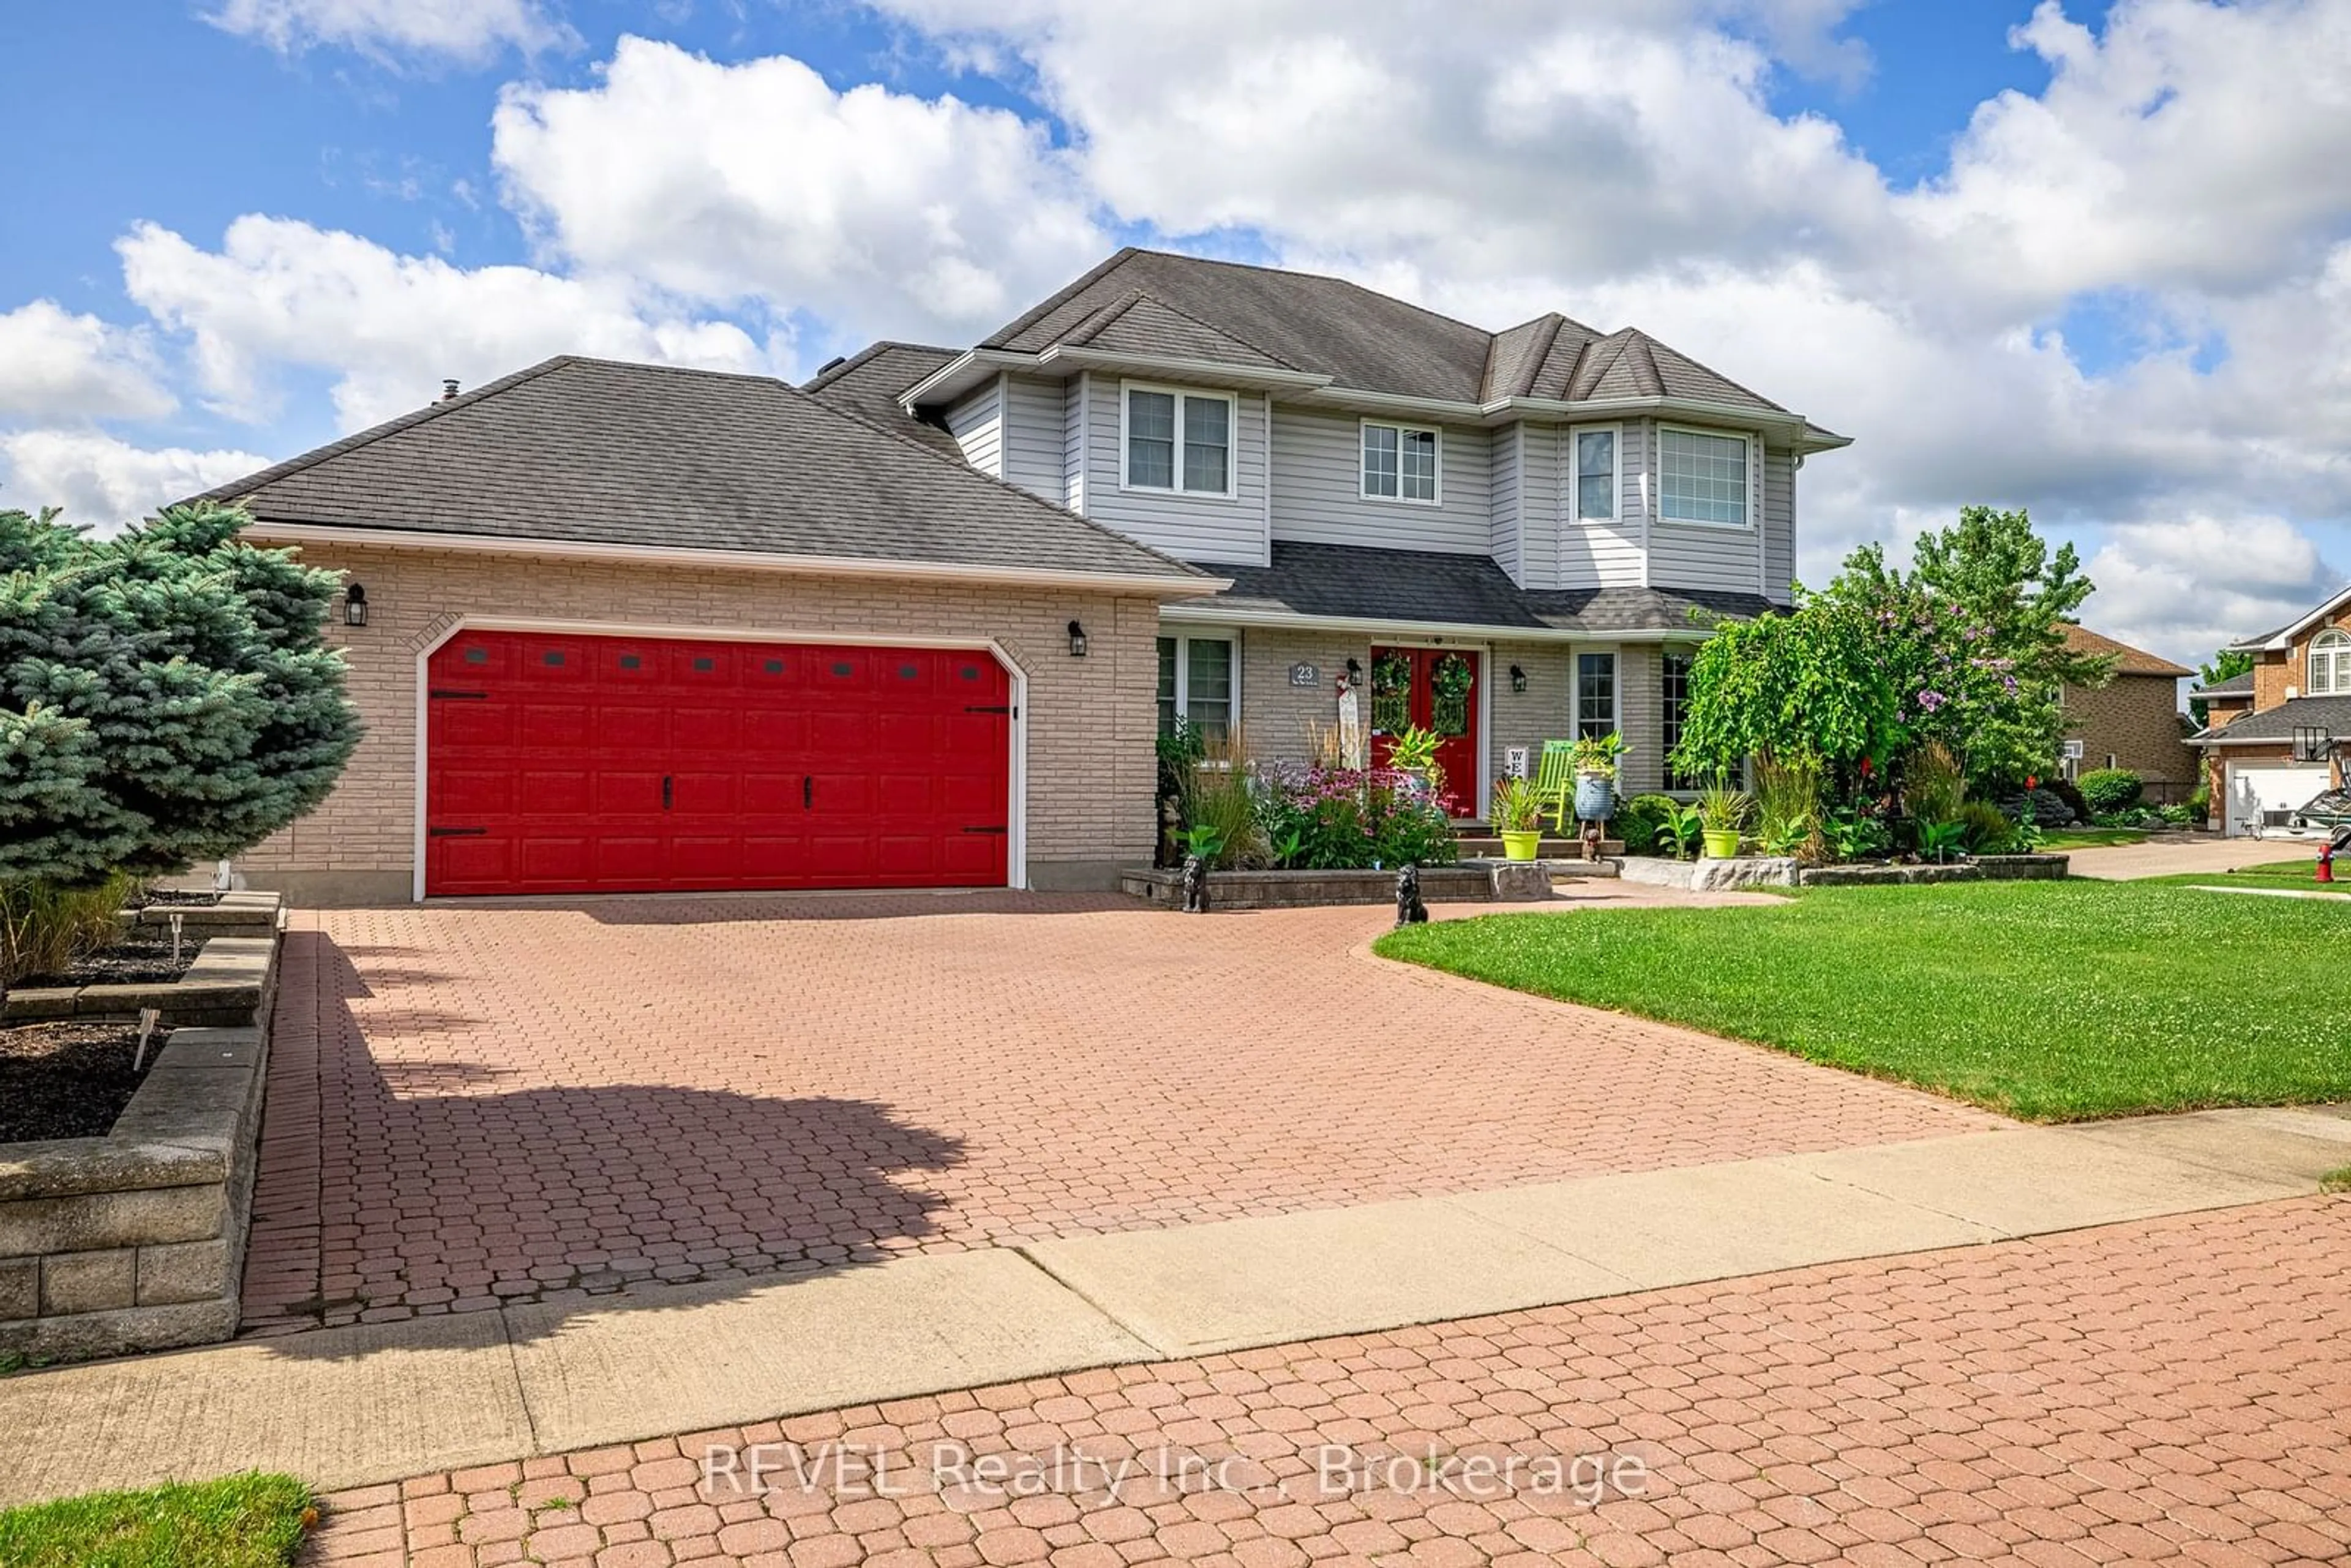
x=1178, y=440
x=2330, y=665
x=1400, y=463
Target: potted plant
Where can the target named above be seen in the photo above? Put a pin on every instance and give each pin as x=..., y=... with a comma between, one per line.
x=1724, y=811
x=1517, y=817
x=1595, y=775
x=1412, y=753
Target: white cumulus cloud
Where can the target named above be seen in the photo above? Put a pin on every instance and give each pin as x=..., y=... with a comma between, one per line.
x=871, y=209
x=100, y=480
x=388, y=327
x=56, y=366
x=466, y=30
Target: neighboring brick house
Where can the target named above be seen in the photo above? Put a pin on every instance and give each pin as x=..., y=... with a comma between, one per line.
x=633, y=627
x=2133, y=721
x=2279, y=735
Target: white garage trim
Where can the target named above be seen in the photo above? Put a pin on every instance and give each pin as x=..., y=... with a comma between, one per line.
x=1016, y=848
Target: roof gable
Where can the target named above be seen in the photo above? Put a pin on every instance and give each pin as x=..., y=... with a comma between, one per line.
x=2128, y=660
x=593, y=452
x=1141, y=325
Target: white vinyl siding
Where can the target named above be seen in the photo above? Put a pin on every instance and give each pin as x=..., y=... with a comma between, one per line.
x=977, y=426
x=1032, y=436
x=1509, y=468
x=1318, y=484
x=1779, y=525
x=1076, y=396
x=1715, y=557
x=1400, y=463
x=1189, y=526
x=1537, y=449
x=1604, y=554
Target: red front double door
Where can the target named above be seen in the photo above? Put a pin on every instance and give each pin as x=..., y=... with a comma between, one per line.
x=560, y=763
x=1435, y=689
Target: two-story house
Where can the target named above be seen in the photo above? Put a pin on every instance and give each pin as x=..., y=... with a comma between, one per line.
x=1502, y=536
x=916, y=624
x=2279, y=734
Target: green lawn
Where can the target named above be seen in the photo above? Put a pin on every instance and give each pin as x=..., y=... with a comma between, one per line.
x=2295, y=873
x=2058, y=840
x=2047, y=1000
x=239, y=1521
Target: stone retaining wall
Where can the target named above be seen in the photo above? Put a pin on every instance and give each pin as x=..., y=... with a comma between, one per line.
x=1770, y=871
x=136, y=1240
x=1472, y=882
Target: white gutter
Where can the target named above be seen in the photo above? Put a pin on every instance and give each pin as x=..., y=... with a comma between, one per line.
x=1161, y=586
x=1209, y=613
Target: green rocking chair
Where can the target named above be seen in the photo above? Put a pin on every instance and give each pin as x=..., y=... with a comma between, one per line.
x=1555, y=782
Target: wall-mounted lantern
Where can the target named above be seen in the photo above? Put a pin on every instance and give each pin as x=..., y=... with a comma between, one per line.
x=354, y=605
x=1517, y=678
x=1355, y=671
x=1077, y=641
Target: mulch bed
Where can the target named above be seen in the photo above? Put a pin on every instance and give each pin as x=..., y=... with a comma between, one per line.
x=71, y=1079
x=141, y=960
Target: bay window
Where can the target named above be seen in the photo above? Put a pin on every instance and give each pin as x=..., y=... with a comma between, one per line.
x=1595, y=695
x=1595, y=476
x=1674, y=686
x=1702, y=478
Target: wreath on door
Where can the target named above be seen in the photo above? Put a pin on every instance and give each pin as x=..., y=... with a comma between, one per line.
x=1391, y=693
x=1450, y=680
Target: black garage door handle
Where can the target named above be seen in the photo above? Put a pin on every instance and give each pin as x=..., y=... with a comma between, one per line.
x=664, y=792
x=808, y=790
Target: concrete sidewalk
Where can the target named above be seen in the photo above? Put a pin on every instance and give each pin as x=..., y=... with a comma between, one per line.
x=349, y=1407
x=2171, y=854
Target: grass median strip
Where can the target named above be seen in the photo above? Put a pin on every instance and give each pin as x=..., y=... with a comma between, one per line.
x=2052, y=1001
x=249, y=1521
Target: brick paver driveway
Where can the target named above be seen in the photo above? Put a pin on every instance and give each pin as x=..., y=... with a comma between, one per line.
x=2178, y=1390
x=474, y=1104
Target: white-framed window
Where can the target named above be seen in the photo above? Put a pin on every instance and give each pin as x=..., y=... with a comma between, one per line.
x=1173, y=438
x=1673, y=665
x=1199, y=679
x=2330, y=665
x=1400, y=463
x=1702, y=478
x=1595, y=695
x=1598, y=481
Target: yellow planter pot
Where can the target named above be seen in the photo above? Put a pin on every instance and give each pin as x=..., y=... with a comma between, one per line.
x=1721, y=843
x=1522, y=846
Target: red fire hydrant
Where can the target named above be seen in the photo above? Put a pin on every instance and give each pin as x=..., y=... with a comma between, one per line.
x=2326, y=860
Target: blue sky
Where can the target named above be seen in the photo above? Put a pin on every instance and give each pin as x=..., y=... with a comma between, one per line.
x=1994, y=242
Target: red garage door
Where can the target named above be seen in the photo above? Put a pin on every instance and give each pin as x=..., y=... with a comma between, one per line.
x=607, y=764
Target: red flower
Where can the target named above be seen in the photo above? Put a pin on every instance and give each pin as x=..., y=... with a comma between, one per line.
x=2031, y=782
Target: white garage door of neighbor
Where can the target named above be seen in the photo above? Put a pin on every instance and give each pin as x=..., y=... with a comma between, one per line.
x=2278, y=787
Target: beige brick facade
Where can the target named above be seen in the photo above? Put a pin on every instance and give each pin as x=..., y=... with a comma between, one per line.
x=2276, y=672
x=1089, y=721
x=2134, y=722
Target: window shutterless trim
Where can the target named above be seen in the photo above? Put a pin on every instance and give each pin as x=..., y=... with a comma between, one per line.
x=1615, y=476
x=1232, y=441
x=1749, y=501
x=1183, y=637
x=1436, y=496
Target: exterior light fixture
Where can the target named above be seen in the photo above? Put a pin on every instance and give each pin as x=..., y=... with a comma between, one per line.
x=354, y=605
x=1517, y=678
x=1355, y=671
x=1077, y=640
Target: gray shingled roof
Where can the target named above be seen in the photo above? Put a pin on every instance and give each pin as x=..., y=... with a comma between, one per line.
x=1438, y=587
x=869, y=382
x=1195, y=308
x=1367, y=340
x=2235, y=686
x=591, y=451
x=2332, y=714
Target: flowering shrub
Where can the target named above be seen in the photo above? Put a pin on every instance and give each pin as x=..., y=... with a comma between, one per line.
x=1330, y=819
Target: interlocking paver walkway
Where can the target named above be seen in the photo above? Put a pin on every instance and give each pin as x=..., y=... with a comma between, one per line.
x=469, y=1104
x=2176, y=1389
